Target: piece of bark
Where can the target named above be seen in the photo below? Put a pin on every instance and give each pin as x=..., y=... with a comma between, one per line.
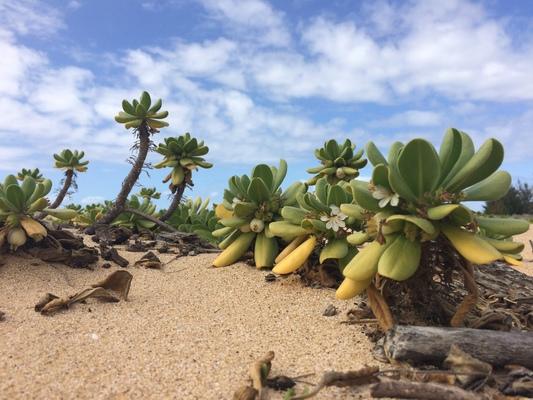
x=111, y=254
x=420, y=390
x=431, y=345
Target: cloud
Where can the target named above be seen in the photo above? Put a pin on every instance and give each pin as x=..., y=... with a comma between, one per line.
x=414, y=118
x=253, y=16
x=29, y=17
x=452, y=49
x=247, y=98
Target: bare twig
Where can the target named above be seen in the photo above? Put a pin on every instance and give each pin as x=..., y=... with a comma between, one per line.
x=363, y=376
x=150, y=218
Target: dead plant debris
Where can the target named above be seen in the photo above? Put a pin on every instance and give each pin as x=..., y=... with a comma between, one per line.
x=464, y=378
x=111, y=289
x=149, y=260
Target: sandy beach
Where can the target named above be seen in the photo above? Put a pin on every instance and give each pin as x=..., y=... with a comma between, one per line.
x=188, y=331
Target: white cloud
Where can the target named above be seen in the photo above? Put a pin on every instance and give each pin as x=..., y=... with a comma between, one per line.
x=447, y=48
x=415, y=118
x=235, y=95
x=255, y=16
x=29, y=17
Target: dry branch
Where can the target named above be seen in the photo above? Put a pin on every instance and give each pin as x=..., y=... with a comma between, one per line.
x=431, y=345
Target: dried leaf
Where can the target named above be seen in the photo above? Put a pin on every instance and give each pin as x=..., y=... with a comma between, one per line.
x=149, y=260
x=113, y=287
x=47, y=298
x=119, y=281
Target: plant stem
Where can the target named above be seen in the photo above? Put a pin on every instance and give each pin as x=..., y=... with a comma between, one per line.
x=131, y=179
x=69, y=174
x=176, y=200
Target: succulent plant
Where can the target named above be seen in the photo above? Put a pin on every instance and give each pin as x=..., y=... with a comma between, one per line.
x=90, y=214
x=134, y=221
x=18, y=205
x=34, y=173
x=195, y=216
x=145, y=119
x=70, y=162
x=184, y=154
x=317, y=219
x=338, y=162
x=254, y=202
x=149, y=193
x=415, y=197
x=141, y=111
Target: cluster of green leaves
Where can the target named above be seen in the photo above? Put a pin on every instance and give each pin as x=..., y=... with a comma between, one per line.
x=416, y=195
x=71, y=160
x=197, y=217
x=134, y=221
x=338, y=162
x=253, y=202
x=183, y=154
x=19, y=203
x=137, y=112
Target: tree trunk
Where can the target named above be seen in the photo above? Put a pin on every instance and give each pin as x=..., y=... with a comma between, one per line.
x=431, y=345
x=129, y=182
x=69, y=174
x=176, y=200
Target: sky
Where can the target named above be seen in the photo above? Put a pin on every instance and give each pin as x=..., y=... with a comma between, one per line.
x=259, y=81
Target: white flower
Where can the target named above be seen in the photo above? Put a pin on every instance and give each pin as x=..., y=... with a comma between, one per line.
x=236, y=201
x=385, y=196
x=335, y=220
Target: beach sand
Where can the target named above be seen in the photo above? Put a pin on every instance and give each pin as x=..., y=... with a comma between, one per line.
x=189, y=331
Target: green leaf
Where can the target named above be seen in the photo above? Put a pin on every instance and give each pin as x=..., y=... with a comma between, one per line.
x=419, y=166
x=503, y=226
x=380, y=176
x=335, y=248
x=258, y=191
x=280, y=175
x=336, y=196
x=374, y=155
x=489, y=189
x=467, y=151
x=450, y=150
x=363, y=196
x=244, y=210
x=263, y=172
x=145, y=100
x=422, y=223
x=485, y=162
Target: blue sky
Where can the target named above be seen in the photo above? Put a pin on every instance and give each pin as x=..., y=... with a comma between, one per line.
x=259, y=80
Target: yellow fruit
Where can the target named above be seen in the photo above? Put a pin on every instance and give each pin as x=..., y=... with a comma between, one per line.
x=289, y=248
x=471, y=246
x=350, y=288
x=235, y=250
x=296, y=258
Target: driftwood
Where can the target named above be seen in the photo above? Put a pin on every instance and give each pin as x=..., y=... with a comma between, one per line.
x=421, y=390
x=431, y=345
